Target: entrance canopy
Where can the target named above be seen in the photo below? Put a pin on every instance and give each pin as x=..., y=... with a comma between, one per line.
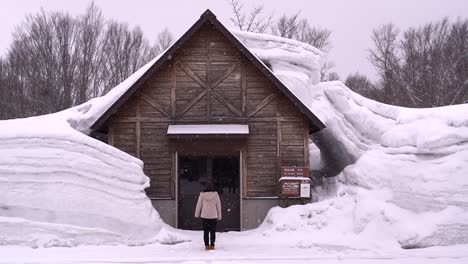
x=208, y=129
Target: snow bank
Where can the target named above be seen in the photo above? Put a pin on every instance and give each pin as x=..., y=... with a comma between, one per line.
x=404, y=171
x=286, y=58
x=59, y=187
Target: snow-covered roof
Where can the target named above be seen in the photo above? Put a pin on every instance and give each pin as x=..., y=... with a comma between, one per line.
x=208, y=129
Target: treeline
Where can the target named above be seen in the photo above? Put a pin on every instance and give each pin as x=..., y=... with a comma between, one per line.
x=57, y=60
x=292, y=26
x=425, y=66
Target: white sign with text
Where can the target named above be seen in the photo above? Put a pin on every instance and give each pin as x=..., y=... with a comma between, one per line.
x=305, y=190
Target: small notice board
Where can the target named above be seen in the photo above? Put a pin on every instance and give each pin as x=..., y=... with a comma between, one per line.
x=294, y=182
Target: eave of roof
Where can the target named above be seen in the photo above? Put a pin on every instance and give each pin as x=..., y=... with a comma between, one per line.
x=315, y=123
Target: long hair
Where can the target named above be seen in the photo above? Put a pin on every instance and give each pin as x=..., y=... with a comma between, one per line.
x=209, y=187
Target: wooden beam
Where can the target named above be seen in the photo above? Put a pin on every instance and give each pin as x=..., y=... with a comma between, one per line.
x=142, y=119
x=173, y=89
x=173, y=172
x=243, y=88
x=138, y=126
x=306, y=144
x=192, y=75
x=243, y=160
x=229, y=106
x=291, y=119
x=262, y=104
x=110, y=134
x=201, y=120
x=225, y=74
x=154, y=104
x=217, y=120
x=192, y=103
x=208, y=75
x=279, y=154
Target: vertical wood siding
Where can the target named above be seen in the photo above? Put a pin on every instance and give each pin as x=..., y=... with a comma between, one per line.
x=209, y=81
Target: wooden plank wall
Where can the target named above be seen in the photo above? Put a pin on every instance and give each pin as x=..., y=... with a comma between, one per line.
x=209, y=81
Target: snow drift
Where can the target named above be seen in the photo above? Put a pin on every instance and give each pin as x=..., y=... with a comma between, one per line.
x=59, y=187
x=404, y=171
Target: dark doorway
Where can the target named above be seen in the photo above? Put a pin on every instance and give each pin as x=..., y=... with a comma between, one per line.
x=194, y=172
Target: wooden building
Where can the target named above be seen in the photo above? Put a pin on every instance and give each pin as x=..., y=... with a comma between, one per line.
x=208, y=109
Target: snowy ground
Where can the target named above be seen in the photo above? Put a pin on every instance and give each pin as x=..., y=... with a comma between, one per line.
x=245, y=247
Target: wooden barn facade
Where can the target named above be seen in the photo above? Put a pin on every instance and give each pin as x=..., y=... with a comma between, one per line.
x=208, y=109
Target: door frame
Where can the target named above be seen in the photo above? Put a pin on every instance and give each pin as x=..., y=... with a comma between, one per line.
x=177, y=189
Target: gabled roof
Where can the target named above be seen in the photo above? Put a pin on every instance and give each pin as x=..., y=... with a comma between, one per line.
x=208, y=16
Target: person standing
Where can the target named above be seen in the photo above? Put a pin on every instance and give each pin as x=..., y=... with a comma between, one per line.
x=209, y=209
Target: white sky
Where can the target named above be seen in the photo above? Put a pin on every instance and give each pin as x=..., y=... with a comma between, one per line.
x=351, y=21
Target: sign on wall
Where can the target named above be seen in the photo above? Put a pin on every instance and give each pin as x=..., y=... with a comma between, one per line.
x=294, y=171
x=294, y=182
x=289, y=188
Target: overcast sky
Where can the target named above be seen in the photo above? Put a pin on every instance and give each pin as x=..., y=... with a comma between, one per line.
x=351, y=21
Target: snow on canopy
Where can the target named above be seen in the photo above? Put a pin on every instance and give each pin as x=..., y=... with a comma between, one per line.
x=404, y=181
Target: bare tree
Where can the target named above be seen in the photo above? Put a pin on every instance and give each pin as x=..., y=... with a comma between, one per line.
x=286, y=26
x=293, y=27
x=124, y=51
x=57, y=61
x=89, y=45
x=384, y=57
x=42, y=59
x=426, y=67
x=163, y=41
x=65, y=36
x=433, y=62
x=315, y=36
x=333, y=76
x=3, y=90
x=362, y=85
x=252, y=20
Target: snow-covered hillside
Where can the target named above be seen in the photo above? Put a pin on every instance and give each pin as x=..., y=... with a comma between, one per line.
x=403, y=179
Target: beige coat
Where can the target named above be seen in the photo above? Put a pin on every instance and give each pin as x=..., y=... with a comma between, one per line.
x=208, y=206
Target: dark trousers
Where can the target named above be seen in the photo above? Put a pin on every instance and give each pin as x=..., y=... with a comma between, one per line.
x=209, y=228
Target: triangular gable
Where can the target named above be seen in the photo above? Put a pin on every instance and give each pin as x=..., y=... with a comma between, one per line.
x=315, y=123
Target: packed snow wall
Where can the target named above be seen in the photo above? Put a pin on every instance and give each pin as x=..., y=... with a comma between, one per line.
x=402, y=172
x=59, y=187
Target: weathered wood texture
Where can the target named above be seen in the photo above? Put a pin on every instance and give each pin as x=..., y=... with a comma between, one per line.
x=209, y=81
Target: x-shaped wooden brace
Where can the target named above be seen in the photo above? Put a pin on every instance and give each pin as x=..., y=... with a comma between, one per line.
x=210, y=87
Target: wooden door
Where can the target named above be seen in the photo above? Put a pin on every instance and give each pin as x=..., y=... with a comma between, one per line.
x=194, y=172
